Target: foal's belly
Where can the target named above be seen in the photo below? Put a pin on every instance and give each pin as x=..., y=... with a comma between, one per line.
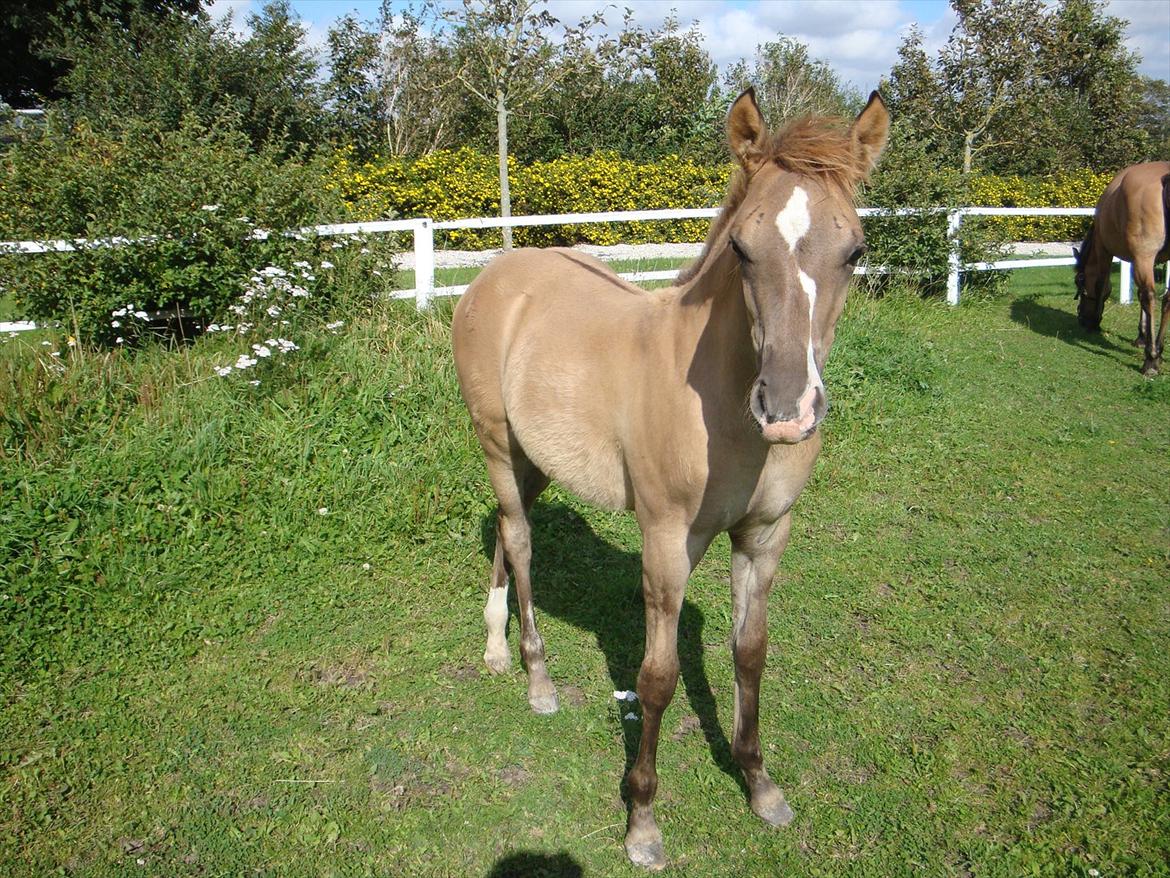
x=570, y=451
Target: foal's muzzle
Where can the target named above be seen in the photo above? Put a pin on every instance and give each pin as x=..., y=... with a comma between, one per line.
x=788, y=424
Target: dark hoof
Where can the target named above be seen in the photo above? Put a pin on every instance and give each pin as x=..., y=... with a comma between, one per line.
x=1149, y=370
x=648, y=855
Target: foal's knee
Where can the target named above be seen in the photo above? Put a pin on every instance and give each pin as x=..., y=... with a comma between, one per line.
x=750, y=649
x=656, y=683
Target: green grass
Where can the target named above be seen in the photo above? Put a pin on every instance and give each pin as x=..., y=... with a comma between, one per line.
x=967, y=674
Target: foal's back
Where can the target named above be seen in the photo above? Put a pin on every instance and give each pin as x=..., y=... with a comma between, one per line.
x=548, y=345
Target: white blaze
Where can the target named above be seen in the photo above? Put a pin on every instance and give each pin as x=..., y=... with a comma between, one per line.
x=810, y=288
x=793, y=221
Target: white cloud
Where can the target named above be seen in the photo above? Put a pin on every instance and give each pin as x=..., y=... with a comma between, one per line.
x=1148, y=33
x=236, y=11
x=859, y=41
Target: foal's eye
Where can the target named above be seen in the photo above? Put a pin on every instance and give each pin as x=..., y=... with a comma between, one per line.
x=739, y=250
x=856, y=255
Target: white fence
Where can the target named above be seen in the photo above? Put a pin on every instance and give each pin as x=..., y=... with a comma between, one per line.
x=423, y=232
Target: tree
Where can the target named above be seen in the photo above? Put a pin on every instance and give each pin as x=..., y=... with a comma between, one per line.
x=164, y=69
x=506, y=52
x=352, y=90
x=1154, y=116
x=991, y=61
x=1022, y=86
x=417, y=75
x=789, y=83
x=30, y=75
x=285, y=98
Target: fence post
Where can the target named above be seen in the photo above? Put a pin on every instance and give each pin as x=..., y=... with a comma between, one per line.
x=954, y=255
x=1126, y=290
x=424, y=263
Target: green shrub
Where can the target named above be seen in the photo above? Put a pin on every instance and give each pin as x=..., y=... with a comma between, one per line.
x=201, y=207
x=919, y=245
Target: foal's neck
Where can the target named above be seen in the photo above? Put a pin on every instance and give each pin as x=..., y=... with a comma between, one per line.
x=712, y=311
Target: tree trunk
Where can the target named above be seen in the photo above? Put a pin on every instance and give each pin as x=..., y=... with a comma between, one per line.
x=502, y=145
x=968, y=152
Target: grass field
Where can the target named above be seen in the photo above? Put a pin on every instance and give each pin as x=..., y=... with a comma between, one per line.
x=242, y=625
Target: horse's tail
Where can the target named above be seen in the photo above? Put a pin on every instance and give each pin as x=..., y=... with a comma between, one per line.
x=1166, y=212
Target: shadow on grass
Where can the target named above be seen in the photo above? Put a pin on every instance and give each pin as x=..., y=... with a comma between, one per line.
x=1060, y=324
x=528, y=864
x=580, y=578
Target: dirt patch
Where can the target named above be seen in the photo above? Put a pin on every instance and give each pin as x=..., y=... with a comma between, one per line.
x=686, y=725
x=462, y=673
x=514, y=775
x=409, y=789
x=1040, y=815
x=572, y=695
x=352, y=674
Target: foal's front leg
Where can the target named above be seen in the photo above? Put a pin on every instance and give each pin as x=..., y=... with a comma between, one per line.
x=756, y=551
x=666, y=565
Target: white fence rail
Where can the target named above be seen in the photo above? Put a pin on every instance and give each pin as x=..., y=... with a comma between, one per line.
x=423, y=232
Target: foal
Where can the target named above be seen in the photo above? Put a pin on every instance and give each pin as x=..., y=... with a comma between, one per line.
x=695, y=406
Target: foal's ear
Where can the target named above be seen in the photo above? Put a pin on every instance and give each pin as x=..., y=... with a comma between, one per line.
x=869, y=131
x=746, y=131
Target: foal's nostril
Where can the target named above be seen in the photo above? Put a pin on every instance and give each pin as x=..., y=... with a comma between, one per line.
x=763, y=403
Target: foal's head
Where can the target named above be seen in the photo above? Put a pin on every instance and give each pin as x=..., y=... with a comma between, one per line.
x=794, y=230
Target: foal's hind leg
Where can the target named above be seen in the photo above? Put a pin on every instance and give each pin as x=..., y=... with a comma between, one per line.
x=756, y=551
x=517, y=483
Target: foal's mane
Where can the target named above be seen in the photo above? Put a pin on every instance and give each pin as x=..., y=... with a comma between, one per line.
x=814, y=146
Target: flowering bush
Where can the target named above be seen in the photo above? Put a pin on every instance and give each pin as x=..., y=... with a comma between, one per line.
x=199, y=207
x=1079, y=188
x=461, y=183
x=452, y=184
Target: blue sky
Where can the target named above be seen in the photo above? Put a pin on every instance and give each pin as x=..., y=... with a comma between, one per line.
x=857, y=38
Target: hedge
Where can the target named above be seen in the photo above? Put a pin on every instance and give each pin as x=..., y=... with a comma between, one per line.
x=452, y=184
x=1079, y=188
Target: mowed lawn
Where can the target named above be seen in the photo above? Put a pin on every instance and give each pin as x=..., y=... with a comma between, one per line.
x=242, y=628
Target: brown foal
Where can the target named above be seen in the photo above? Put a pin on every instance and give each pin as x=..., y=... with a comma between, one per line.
x=696, y=406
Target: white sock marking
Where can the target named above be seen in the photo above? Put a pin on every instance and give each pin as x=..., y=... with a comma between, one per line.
x=496, y=614
x=793, y=221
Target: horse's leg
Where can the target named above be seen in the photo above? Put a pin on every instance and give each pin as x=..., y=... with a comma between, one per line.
x=755, y=552
x=1143, y=330
x=1158, y=345
x=665, y=568
x=1143, y=273
x=517, y=483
